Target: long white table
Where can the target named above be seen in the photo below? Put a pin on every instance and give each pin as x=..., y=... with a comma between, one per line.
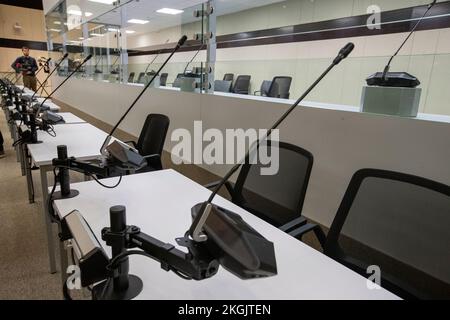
x=83, y=141
x=160, y=203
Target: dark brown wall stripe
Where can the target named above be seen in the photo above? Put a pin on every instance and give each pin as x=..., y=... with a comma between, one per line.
x=332, y=29
x=34, y=45
x=30, y=4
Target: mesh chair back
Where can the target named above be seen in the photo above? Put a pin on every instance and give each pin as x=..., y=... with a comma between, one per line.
x=131, y=77
x=222, y=86
x=163, y=79
x=141, y=78
x=399, y=223
x=265, y=87
x=228, y=77
x=242, y=85
x=153, y=135
x=280, y=87
x=277, y=199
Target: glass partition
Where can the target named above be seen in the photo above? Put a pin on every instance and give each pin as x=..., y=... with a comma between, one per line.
x=260, y=40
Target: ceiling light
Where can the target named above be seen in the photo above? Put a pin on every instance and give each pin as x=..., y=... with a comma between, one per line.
x=103, y=1
x=79, y=13
x=55, y=30
x=137, y=21
x=113, y=30
x=130, y=31
x=57, y=22
x=97, y=34
x=81, y=38
x=169, y=11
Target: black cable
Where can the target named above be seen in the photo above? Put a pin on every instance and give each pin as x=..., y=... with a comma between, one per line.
x=105, y=186
x=119, y=259
x=50, y=210
x=66, y=293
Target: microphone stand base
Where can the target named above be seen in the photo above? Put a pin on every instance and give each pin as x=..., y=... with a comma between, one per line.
x=58, y=195
x=105, y=290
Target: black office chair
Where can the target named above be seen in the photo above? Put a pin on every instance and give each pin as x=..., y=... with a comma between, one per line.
x=242, y=85
x=141, y=77
x=399, y=223
x=177, y=82
x=163, y=79
x=278, y=199
x=131, y=77
x=265, y=88
x=228, y=77
x=151, y=141
x=279, y=87
x=222, y=86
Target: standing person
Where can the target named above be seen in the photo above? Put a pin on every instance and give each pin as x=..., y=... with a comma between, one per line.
x=2, y=151
x=28, y=66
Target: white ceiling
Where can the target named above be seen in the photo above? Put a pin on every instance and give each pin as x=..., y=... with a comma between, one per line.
x=146, y=10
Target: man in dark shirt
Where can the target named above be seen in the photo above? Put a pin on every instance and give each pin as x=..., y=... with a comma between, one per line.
x=28, y=66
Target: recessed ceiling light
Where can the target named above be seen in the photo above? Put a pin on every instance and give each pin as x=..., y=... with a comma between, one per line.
x=130, y=31
x=55, y=30
x=138, y=21
x=97, y=34
x=113, y=30
x=169, y=11
x=57, y=22
x=81, y=38
x=103, y=1
x=79, y=13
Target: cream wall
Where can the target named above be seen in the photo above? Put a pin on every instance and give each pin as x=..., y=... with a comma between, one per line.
x=294, y=12
x=32, y=22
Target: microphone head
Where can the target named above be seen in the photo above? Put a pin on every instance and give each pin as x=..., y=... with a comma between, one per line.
x=66, y=55
x=344, y=53
x=182, y=40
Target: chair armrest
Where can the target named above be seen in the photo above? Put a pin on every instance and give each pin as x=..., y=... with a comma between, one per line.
x=216, y=183
x=294, y=224
x=308, y=227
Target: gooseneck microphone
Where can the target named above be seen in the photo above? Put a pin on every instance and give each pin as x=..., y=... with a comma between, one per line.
x=108, y=138
x=193, y=58
x=156, y=57
x=388, y=66
x=62, y=83
x=195, y=232
x=50, y=74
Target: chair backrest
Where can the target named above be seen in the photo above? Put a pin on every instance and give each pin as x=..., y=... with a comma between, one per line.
x=222, y=86
x=131, y=77
x=265, y=87
x=277, y=199
x=242, y=84
x=141, y=77
x=163, y=79
x=228, y=77
x=177, y=82
x=399, y=223
x=153, y=135
x=280, y=87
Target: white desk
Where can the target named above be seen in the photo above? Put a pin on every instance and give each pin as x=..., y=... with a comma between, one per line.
x=160, y=203
x=83, y=141
x=53, y=107
x=69, y=118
